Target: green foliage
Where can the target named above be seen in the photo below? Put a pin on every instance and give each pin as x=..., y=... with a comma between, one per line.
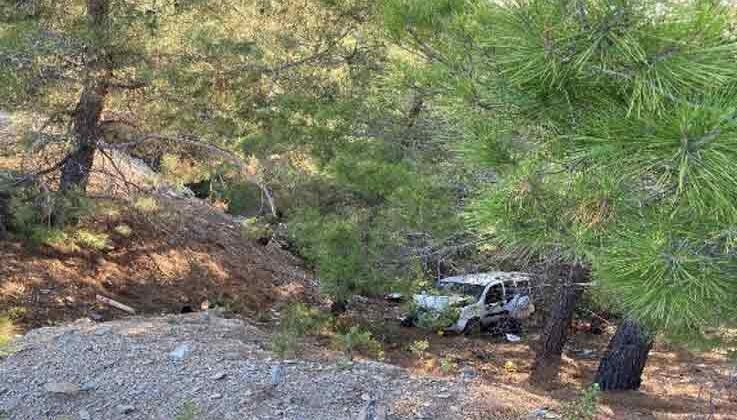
x=189, y=411
x=255, y=229
x=7, y=334
x=40, y=217
x=123, y=230
x=586, y=407
x=436, y=321
x=419, y=348
x=448, y=365
x=242, y=198
x=92, y=240
x=357, y=341
x=610, y=127
x=334, y=245
x=146, y=205
x=298, y=321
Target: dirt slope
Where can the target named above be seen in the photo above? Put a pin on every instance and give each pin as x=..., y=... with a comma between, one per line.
x=172, y=259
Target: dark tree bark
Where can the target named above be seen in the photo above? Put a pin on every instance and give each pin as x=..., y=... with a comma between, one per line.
x=621, y=368
x=555, y=333
x=4, y=213
x=75, y=172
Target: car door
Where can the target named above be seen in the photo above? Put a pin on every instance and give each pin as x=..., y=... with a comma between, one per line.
x=493, y=301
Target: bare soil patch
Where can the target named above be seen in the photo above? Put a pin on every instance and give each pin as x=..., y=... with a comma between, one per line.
x=173, y=260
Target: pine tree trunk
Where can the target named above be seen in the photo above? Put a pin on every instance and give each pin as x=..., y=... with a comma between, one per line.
x=555, y=333
x=4, y=213
x=75, y=172
x=621, y=368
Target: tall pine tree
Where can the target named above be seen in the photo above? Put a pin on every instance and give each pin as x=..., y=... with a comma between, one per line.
x=613, y=127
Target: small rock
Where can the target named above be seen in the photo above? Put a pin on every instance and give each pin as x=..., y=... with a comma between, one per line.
x=124, y=409
x=103, y=331
x=443, y=396
x=277, y=375
x=372, y=411
x=468, y=374
x=366, y=397
x=542, y=413
x=181, y=351
x=66, y=388
x=216, y=396
x=95, y=316
x=218, y=376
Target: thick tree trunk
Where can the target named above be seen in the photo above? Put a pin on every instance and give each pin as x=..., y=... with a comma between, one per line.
x=75, y=172
x=621, y=368
x=555, y=333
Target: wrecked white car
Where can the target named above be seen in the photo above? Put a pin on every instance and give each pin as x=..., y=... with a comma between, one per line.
x=480, y=299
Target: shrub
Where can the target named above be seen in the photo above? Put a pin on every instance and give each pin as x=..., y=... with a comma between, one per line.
x=448, y=365
x=335, y=246
x=7, y=334
x=437, y=321
x=298, y=321
x=146, y=205
x=419, y=348
x=189, y=411
x=92, y=240
x=242, y=198
x=56, y=238
x=585, y=407
x=356, y=340
x=123, y=230
x=38, y=215
x=255, y=229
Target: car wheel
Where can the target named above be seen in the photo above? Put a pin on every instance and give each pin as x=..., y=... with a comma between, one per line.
x=472, y=326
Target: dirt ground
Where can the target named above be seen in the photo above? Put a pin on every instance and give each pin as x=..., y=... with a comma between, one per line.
x=677, y=384
x=174, y=259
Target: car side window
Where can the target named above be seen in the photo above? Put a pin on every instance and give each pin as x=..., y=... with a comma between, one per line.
x=495, y=294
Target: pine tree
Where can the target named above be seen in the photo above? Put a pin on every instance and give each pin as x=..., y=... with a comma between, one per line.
x=186, y=77
x=613, y=128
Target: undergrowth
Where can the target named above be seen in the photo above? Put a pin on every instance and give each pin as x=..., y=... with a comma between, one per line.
x=298, y=321
x=585, y=407
x=7, y=335
x=356, y=340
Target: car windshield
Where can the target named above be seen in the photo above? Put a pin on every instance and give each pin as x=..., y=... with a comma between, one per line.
x=472, y=290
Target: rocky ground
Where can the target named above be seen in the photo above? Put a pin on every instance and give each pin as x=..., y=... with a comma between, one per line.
x=200, y=366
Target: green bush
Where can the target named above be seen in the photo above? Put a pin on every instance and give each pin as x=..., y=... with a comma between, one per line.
x=241, y=198
x=38, y=215
x=189, y=411
x=585, y=407
x=254, y=229
x=298, y=321
x=419, y=348
x=335, y=246
x=437, y=321
x=92, y=240
x=7, y=334
x=357, y=341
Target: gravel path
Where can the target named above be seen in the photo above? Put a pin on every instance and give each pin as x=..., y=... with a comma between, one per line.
x=158, y=368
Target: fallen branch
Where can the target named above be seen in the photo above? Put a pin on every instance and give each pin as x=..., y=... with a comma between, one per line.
x=116, y=304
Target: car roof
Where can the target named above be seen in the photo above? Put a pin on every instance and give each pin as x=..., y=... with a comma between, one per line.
x=483, y=279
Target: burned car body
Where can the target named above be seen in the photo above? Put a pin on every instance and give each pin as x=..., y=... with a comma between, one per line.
x=483, y=298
